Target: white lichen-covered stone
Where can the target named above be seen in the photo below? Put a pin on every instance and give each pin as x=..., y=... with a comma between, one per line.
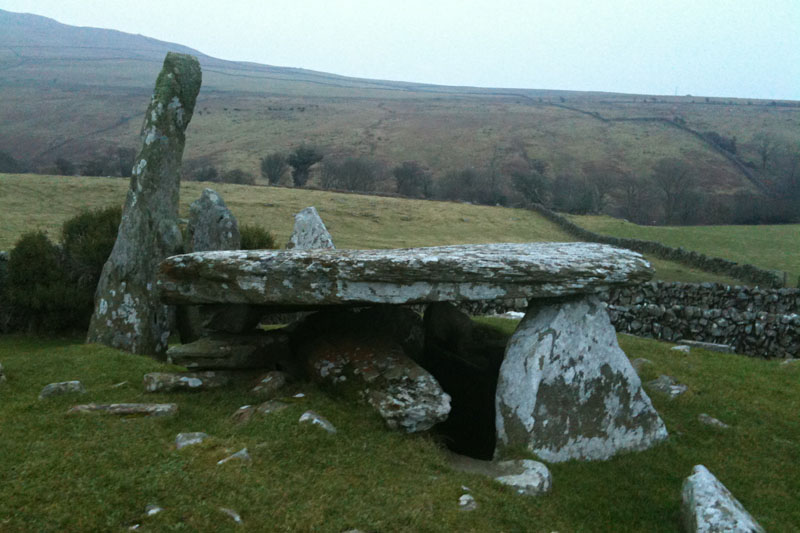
x=127, y=409
x=189, y=439
x=526, y=476
x=466, y=502
x=61, y=388
x=567, y=391
x=709, y=507
x=414, y=275
x=168, y=381
x=309, y=231
x=667, y=385
x=242, y=455
x=314, y=419
x=709, y=420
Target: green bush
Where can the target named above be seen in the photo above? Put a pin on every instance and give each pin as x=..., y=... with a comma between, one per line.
x=39, y=291
x=256, y=238
x=87, y=240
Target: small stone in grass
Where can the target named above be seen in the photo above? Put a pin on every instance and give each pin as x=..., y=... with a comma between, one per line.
x=711, y=421
x=271, y=406
x=241, y=455
x=233, y=514
x=61, y=388
x=271, y=384
x=152, y=510
x=243, y=414
x=188, y=439
x=682, y=348
x=310, y=417
x=467, y=503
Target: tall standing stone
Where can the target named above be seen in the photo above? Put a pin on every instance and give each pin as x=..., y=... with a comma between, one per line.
x=128, y=313
x=309, y=231
x=212, y=226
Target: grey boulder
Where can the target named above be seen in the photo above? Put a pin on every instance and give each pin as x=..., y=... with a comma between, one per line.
x=61, y=388
x=212, y=226
x=567, y=391
x=167, y=381
x=709, y=507
x=188, y=439
x=309, y=231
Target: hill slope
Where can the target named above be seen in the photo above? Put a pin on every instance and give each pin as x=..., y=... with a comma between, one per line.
x=78, y=92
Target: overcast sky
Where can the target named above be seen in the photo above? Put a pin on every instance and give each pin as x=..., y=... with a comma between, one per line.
x=735, y=48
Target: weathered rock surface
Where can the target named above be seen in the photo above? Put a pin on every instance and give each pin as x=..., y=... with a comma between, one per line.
x=309, y=231
x=243, y=414
x=188, y=439
x=466, y=502
x=271, y=406
x=314, y=419
x=403, y=393
x=127, y=409
x=709, y=420
x=711, y=346
x=681, y=348
x=267, y=350
x=567, y=391
x=667, y=385
x=271, y=384
x=709, y=507
x=241, y=455
x=61, y=388
x=128, y=313
x=447, y=273
x=195, y=381
x=526, y=476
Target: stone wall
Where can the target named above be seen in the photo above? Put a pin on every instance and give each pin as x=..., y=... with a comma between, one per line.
x=747, y=273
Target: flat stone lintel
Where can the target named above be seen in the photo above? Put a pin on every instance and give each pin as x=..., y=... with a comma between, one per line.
x=413, y=275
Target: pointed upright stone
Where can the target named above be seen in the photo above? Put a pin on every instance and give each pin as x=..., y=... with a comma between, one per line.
x=212, y=226
x=309, y=231
x=128, y=313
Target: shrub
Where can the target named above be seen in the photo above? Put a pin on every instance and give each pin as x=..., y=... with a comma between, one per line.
x=87, y=240
x=239, y=176
x=273, y=167
x=256, y=238
x=39, y=291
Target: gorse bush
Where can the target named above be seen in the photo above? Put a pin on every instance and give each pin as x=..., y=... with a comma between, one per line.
x=50, y=288
x=256, y=238
x=39, y=292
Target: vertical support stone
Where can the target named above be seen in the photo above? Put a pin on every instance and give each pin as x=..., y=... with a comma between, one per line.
x=309, y=231
x=128, y=313
x=567, y=391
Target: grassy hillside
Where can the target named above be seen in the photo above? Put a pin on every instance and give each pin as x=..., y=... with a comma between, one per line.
x=33, y=202
x=71, y=93
x=771, y=247
x=93, y=473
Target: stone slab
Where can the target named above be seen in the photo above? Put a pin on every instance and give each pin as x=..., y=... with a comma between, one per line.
x=412, y=275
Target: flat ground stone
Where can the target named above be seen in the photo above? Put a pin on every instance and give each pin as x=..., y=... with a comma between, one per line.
x=127, y=409
x=711, y=421
x=128, y=314
x=709, y=507
x=309, y=231
x=271, y=406
x=667, y=385
x=567, y=391
x=188, y=439
x=241, y=455
x=167, y=381
x=61, y=388
x=526, y=476
x=416, y=275
x=711, y=346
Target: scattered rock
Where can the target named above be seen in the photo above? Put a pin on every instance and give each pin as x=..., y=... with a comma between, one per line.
x=467, y=503
x=681, y=348
x=271, y=406
x=312, y=418
x=784, y=363
x=152, y=510
x=241, y=455
x=711, y=421
x=233, y=514
x=404, y=394
x=712, y=346
x=61, y=388
x=271, y=384
x=640, y=363
x=526, y=476
x=168, y=382
x=220, y=351
x=243, y=414
x=707, y=506
x=309, y=231
x=667, y=385
x=127, y=409
x=128, y=313
x=118, y=385
x=567, y=391
x=188, y=439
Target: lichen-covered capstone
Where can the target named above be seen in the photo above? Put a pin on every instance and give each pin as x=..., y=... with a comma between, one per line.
x=567, y=391
x=128, y=313
x=309, y=231
x=414, y=275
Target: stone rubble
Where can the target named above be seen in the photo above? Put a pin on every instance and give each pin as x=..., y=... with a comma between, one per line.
x=709, y=507
x=128, y=313
x=309, y=231
x=191, y=381
x=62, y=388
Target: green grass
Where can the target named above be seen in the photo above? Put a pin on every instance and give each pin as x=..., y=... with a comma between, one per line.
x=34, y=202
x=771, y=247
x=96, y=473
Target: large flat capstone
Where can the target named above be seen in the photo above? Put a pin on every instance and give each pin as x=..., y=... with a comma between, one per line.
x=412, y=275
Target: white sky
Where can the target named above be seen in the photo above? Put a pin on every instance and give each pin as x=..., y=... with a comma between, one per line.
x=736, y=48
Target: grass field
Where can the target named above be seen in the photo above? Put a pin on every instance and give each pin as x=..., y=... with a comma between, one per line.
x=93, y=473
x=771, y=247
x=34, y=202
